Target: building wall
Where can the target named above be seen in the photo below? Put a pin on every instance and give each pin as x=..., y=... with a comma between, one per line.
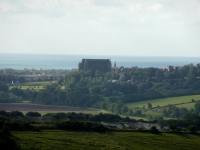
x=103, y=65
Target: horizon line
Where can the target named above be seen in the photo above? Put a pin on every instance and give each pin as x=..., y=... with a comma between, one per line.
x=99, y=55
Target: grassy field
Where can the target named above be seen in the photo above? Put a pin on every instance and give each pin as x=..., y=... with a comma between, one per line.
x=33, y=85
x=106, y=99
x=59, y=140
x=25, y=87
x=187, y=105
x=167, y=101
x=39, y=83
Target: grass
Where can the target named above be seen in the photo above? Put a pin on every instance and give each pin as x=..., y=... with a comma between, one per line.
x=34, y=85
x=25, y=87
x=152, y=113
x=167, y=101
x=59, y=140
x=106, y=99
x=187, y=105
x=63, y=87
x=39, y=83
x=26, y=101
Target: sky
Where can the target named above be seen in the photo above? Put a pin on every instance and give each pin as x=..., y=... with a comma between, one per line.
x=101, y=27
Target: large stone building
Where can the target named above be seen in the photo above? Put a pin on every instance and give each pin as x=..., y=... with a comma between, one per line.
x=103, y=65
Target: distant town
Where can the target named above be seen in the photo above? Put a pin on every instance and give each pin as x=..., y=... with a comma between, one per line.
x=103, y=65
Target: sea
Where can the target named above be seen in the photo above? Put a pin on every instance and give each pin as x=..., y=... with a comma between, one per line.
x=65, y=61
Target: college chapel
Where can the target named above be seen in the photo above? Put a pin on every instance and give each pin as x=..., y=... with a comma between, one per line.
x=103, y=65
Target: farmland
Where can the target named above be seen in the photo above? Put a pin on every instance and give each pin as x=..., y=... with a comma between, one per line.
x=59, y=140
x=179, y=101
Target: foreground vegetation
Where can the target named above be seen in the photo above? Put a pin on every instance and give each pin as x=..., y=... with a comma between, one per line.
x=59, y=140
x=84, y=131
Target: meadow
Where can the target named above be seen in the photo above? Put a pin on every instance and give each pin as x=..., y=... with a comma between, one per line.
x=33, y=85
x=59, y=140
x=181, y=101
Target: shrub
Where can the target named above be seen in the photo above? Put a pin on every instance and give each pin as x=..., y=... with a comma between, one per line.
x=5, y=130
x=16, y=114
x=154, y=130
x=33, y=114
x=192, y=128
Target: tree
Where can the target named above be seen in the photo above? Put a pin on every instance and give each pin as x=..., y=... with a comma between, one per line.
x=149, y=106
x=3, y=87
x=3, y=95
x=197, y=107
x=130, y=112
x=154, y=130
x=112, y=99
x=16, y=113
x=60, y=80
x=138, y=113
x=173, y=127
x=98, y=73
x=5, y=130
x=18, y=92
x=192, y=128
x=33, y=114
x=124, y=109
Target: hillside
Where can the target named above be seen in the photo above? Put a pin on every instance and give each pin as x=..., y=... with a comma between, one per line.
x=60, y=140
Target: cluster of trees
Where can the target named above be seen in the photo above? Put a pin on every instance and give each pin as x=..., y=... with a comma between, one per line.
x=8, y=78
x=7, y=96
x=16, y=124
x=17, y=114
x=135, y=84
x=64, y=116
x=81, y=126
x=87, y=89
x=54, y=95
x=144, y=83
x=187, y=120
x=172, y=111
x=88, y=117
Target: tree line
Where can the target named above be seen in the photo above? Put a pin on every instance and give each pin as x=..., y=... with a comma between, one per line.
x=111, y=90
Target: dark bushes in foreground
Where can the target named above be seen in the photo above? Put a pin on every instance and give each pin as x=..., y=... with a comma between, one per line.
x=16, y=125
x=6, y=141
x=81, y=126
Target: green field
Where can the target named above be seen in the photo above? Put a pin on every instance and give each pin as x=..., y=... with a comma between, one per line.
x=31, y=85
x=187, y=105
x=39, y=83
x=167, y=101
x=34, y=85
x=60, y=140
x=25, y=87
x=106, y=99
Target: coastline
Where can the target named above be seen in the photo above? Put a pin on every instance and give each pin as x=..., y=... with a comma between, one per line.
x=64, y=61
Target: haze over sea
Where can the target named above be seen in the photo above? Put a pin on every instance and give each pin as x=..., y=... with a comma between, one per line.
x=65, y=61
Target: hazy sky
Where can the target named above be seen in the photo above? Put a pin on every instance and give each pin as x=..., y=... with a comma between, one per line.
x=103, y=27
